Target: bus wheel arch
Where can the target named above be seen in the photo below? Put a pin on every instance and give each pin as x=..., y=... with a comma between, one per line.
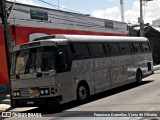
x=83, y=91
x=139, y=76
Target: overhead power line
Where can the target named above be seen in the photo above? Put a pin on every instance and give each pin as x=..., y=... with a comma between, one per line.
x=57, y=6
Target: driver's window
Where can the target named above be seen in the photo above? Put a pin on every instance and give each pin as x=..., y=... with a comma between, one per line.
x=19, y=65
x=63, y=60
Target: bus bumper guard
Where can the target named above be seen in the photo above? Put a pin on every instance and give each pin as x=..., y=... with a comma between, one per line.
x=37, y=101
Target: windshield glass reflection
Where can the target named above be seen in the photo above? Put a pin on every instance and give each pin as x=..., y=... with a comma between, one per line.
x=33, y=60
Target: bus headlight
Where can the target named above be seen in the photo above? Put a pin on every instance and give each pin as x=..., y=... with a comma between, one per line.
x=16, y=93
x=44, y=91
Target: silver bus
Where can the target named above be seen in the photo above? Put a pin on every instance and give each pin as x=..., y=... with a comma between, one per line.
x=61, y=68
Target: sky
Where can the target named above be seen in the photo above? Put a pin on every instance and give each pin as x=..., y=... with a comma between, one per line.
x=108, y=9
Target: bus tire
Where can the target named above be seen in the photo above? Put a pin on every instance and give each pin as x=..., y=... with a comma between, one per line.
x=82, y=92
x=139, y=77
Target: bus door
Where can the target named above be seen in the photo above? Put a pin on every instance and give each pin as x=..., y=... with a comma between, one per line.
x=116, y=76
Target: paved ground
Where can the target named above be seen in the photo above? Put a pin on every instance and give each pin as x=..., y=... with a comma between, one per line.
x=4, y=102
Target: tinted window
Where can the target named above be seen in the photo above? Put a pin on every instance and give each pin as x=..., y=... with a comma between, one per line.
x=136, y=47
x=97, y=49
x=145, y=47
x=112, y=48
x=80, y=50
x=124, y=48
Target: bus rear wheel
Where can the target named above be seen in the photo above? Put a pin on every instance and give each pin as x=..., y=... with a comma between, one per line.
x=82, y=93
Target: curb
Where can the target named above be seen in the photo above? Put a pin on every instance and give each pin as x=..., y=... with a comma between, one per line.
x=4, y=107
x=156, y=67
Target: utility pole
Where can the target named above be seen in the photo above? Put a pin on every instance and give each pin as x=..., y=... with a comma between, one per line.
x=140, y=20
x=122, y=10
x=58, y=4
x=7, y=40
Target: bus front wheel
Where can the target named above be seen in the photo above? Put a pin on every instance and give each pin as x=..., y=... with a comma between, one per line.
x=82, y=92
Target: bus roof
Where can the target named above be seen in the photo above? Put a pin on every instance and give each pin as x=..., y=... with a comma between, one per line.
x=65, y=39
x=91, y=38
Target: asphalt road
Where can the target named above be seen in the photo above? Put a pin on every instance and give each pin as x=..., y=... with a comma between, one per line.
x=143, y=97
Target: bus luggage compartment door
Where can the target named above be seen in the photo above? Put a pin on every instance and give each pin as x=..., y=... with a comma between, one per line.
x=102, y=80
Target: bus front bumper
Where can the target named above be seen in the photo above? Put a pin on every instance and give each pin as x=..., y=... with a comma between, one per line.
x=34, y=102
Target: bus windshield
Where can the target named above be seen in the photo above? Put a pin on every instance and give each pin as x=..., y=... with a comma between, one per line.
x=33, y=60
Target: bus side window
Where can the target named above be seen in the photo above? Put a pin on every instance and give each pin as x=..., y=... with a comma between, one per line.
x=97, y=49
x=139, y=47
x=113, y=49
x=73, y=50
x=63, y=62
x=125, y=48
x=132, y=47
x=80, y=50
x=136, y=48
x=145, y=47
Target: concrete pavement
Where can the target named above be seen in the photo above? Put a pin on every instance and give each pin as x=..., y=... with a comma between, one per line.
x=4, y=102
x=157, y=67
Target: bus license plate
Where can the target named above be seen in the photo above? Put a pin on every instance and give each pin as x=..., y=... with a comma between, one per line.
x=30, y=102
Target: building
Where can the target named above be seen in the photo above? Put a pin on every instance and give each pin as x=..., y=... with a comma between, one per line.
x=156, y=23
x=28, y=22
